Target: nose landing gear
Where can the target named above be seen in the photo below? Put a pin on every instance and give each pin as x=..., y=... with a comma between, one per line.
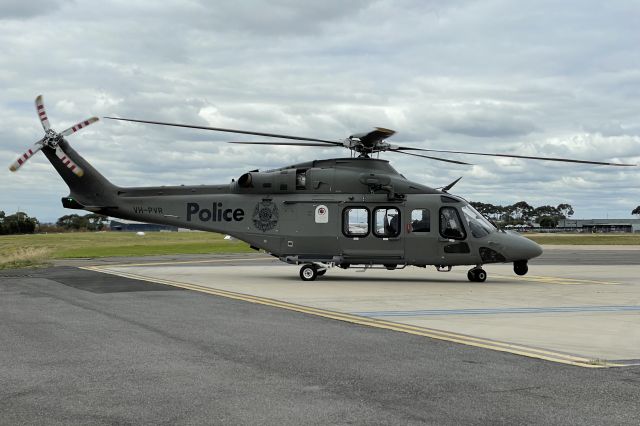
x=520, y=267
x=477, y=275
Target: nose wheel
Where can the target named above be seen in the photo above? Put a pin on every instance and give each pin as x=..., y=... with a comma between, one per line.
x=477, y=275
x=520, y=267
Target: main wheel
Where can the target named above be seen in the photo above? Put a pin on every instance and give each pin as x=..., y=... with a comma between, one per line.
x=308, y=272
x=520, y=267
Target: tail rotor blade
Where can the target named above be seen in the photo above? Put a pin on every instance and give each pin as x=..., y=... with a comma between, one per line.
x=24, y=157
x=68, y=162
x=42, y=113
x=79, y=126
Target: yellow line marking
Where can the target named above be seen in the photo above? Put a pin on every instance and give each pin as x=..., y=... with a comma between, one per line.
x=372, y=322
x=555, y=280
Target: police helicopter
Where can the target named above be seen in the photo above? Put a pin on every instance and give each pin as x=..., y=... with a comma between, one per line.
x=337, y=212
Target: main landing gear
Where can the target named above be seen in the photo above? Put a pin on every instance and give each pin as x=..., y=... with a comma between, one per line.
x=311, y=271
x=477, y=275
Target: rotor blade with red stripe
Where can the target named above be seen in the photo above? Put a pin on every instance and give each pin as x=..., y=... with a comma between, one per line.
x=24, y=157
x=67, y=162
x=78, y=126
x=42, y=114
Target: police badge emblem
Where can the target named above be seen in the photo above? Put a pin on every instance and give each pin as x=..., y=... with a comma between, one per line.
x=265, y=215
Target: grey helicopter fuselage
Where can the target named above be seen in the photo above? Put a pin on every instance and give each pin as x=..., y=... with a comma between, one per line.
x=345, y=211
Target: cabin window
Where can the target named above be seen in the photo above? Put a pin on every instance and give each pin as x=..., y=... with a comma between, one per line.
x=451, y=225
x=301, y=179
x=355, y=221
x=386, y=222
x=420, y=220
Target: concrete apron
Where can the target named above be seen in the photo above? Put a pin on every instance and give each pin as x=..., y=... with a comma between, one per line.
x=587, y=316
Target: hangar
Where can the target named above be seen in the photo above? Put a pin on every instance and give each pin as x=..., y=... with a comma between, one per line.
x=600, y=225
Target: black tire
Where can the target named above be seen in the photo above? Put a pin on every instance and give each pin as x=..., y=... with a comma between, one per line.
x=344, y=265
x=390, y=266
x=520, y=267
x=481, y=275
x=471, y=276
x=321, y=272
x=308, y=272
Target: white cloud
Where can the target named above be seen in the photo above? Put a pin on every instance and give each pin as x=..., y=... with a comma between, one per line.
x=543, y=78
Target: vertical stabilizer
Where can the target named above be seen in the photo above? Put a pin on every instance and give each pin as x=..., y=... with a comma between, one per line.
x=91, y=189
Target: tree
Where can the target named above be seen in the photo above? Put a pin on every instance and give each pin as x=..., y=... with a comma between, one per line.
x=90, y=222
x=72, y=222
x=548, y=222
x=565, y=210
x=18, y=223
x=95, y=222
x=522, y=211
x=636, y=211
x=545, y=210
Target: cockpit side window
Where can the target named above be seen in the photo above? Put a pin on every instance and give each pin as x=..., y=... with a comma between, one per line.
x=478, y=224
x=450, y=224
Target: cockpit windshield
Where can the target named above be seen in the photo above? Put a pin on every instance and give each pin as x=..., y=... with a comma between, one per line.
x=478, y=224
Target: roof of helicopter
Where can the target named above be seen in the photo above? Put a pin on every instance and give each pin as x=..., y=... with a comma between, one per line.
x=363, y=164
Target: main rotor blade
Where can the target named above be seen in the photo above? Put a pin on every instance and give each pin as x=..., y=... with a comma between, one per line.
x=431, y=158
x=79, y=126
x=42, y=114
x=323, y=145
x=563, y=160
x=24, y=157
x=220, y=129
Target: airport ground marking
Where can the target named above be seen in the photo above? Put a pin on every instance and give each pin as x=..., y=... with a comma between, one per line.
x=513, y=348
x=530, y=278
x=556, y=280
x=500, y=311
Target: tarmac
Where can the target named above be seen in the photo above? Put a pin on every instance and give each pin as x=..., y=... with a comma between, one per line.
x=586, y=315
x=239, y=339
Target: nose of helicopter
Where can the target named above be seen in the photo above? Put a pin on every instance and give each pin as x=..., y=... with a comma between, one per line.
x=522, y=248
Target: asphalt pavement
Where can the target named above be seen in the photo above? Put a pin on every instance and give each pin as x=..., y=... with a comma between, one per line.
x=80, y=347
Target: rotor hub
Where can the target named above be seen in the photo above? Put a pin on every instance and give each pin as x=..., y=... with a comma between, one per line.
x=51, y=138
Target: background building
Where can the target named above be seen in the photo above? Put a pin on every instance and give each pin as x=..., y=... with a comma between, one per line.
x=601, y=225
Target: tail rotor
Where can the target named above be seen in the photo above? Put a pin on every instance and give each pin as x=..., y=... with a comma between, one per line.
x=52, y=140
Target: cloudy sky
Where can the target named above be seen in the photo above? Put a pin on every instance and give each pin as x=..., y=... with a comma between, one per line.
x=532, y=78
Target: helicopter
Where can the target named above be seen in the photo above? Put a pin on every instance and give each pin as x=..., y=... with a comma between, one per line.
x=320, y=214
